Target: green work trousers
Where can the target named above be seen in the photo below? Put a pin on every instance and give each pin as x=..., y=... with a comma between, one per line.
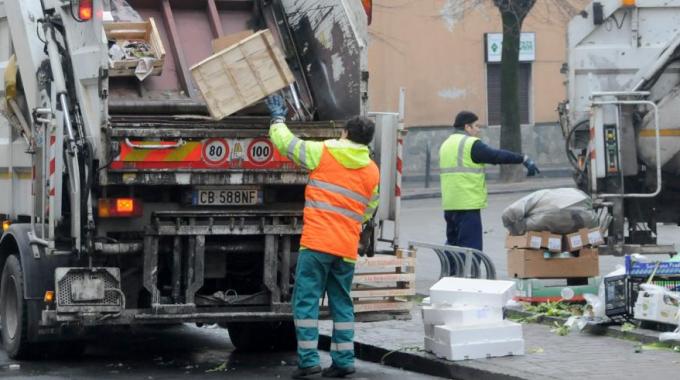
x=315, y=273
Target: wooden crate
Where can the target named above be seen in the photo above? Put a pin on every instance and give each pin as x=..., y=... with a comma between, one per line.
x=241, y=74
x=385, y=283
x=135, y=31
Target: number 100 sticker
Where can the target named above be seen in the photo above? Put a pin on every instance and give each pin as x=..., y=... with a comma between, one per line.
x=260, y=151
x=215, y=151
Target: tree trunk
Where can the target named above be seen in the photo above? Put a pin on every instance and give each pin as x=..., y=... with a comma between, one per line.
x=513, y=13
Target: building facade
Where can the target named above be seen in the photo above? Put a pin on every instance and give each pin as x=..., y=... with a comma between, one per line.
x=446, y=53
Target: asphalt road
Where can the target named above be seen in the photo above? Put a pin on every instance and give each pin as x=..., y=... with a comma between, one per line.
x=179, y=352
x=423, y=220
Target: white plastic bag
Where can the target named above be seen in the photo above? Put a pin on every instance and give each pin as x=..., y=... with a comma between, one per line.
x=560, y=211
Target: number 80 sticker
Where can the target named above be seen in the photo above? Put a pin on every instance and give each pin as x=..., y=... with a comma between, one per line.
x=260, y=151
x=215, y=151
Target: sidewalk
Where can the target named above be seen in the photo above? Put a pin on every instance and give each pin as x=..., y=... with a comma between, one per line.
x=416, y=191
x=548, y=356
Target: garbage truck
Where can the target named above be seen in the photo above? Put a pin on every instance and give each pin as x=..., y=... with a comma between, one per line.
x=124, y=203
x=621, y=119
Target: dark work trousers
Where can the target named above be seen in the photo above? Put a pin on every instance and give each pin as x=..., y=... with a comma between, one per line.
x=463, y=229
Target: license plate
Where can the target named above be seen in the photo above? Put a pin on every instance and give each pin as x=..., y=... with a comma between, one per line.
x=226, y=197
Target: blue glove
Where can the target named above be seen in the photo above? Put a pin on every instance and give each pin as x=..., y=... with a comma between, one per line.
x=277, y=106
x=532, y=169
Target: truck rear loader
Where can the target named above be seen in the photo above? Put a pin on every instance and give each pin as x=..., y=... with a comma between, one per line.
x=125, y=203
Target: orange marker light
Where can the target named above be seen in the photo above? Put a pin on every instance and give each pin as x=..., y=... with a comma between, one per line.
x=125, y=205
x=628, y=3
x=49, y=296
x=5, y=225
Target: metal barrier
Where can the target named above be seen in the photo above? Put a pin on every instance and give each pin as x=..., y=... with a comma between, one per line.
x=460, y=261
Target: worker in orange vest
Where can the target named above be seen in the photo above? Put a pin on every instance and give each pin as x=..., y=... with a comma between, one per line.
x=341, y=195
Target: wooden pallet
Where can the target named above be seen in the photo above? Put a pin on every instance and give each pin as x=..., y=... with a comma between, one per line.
x=131, y=31
x=385, y=283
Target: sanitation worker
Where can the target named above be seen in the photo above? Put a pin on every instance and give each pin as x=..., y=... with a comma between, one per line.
x=463, y=183
x=341, y=195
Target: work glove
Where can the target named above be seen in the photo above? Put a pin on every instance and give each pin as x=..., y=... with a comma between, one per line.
x=277, y=107
x=365, y=239
x=532, y=169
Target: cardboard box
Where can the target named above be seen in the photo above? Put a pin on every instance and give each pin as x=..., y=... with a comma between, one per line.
x=535, y=240
x=583, y=238
x=531, y=263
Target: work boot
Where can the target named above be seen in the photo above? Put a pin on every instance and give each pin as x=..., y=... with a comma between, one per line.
x=302, y=373
x=334, y=371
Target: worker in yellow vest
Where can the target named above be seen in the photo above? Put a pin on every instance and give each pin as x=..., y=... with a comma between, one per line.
x=341, y=195
x=462, y=157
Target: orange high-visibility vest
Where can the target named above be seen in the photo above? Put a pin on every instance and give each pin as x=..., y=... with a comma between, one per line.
x=335, y=202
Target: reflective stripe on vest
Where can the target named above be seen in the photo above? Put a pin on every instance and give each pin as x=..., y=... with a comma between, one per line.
x=463, y=181
x=336, y=200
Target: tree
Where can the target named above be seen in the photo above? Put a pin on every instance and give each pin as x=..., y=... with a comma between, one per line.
x=513, y=14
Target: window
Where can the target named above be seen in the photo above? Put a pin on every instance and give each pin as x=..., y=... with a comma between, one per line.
x=493, y=91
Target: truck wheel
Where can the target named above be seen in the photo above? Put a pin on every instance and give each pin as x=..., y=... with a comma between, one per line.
x=262, y=336
x=13, y=311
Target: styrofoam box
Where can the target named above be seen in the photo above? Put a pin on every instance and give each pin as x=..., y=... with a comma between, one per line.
x=461, y=315
x=501, y=331
x=475, y=350
x=429, y=330
x=468, y=291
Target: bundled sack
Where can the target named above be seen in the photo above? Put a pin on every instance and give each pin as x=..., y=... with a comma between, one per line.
x=559, y=211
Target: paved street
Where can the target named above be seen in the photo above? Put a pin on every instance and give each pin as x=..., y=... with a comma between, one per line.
x=179, y=352
x=423, y=220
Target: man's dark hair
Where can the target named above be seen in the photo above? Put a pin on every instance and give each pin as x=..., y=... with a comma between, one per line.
x=360, y=130
x=463, y=118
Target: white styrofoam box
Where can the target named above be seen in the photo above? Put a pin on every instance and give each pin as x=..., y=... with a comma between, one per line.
x=430, y=344
x=461, y=315
x=429, y=330
x=479, y=350
x=453, y=290
x=655, y=305
x=501, y=331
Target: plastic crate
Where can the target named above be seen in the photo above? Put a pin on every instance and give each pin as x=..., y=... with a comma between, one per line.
x=665, y=268
x=621, y=294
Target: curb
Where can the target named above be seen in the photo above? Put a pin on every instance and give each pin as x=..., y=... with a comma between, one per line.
x=424, y=363
x=428, y=364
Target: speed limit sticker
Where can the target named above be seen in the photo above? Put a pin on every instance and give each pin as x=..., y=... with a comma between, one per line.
x=260, y=151
x=215, y=151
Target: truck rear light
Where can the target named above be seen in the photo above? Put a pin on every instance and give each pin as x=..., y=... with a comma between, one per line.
x=628, y=3
x=85, y=10
x=119, y=207
x=368, y=7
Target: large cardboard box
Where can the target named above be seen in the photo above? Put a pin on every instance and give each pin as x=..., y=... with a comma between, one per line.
x=535, y=240
x=531, y=263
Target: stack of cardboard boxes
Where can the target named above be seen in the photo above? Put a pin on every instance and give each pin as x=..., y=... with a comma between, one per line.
x=463, y=319
x=547, y=255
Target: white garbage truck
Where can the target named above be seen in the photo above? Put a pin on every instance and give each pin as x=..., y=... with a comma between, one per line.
x=124, y=203
x=622, y=117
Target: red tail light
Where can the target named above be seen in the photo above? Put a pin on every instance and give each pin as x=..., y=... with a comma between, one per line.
x=368, y=7
x=85, y=10
x=119, y=207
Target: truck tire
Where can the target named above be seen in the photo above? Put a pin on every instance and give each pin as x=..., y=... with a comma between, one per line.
x=13, y=311
x=262, y=336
